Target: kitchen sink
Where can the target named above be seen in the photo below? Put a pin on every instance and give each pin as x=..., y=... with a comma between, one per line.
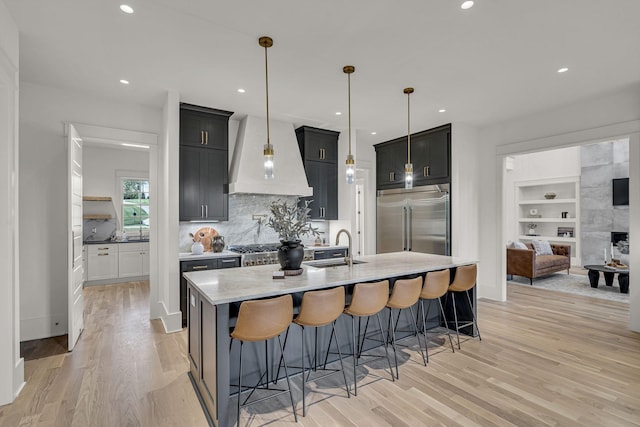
x=326, y=263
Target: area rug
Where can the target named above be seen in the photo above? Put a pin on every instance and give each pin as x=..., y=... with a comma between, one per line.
x=575, y=284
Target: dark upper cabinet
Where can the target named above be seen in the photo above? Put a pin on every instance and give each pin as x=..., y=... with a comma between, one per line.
x=204, y=184
x=204, y=164
x=204, y=127
x=318, y=145
x=319, y=150
x=430, y=155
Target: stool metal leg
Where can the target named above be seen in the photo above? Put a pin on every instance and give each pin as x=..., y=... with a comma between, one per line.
x=415, y=325
x=424, y=329
x=446, y=325
x=455, y=316
x=385, y=347
x=392, y=332
x=304, y=385
x=354, y=352
x=239, y=384
x=286, y=374
x=475, y=321
x=344, y=375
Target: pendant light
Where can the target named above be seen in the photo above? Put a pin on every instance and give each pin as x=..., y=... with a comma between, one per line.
x=408, y=167
x=267, y=42
x=351, y=163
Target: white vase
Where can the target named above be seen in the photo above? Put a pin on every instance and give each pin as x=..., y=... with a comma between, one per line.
x=197, y=248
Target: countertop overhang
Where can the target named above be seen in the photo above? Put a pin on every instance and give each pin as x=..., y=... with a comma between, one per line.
x=233, y=285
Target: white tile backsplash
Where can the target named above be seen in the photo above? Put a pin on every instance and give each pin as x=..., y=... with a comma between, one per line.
x=242, y=229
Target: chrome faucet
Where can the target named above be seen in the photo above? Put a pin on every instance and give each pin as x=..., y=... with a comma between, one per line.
x=347, y=259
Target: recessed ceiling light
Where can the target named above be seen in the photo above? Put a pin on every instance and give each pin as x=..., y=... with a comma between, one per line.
x=124, y=82
x=338, y=113
x=442, y=110
x=374, y=133
x=467, y=5
x=563, y=70
x=126, y=8
x=241, y=90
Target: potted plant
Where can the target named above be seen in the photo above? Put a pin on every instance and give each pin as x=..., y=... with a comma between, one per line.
x=532, y=229
x=290, y=221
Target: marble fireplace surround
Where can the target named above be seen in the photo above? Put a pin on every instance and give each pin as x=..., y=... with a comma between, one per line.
x=242, y=228
x=600, y=164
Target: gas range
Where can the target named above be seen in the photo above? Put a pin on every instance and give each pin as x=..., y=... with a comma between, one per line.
x=261, y=254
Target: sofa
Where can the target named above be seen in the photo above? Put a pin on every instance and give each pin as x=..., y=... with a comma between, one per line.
x=526, y=263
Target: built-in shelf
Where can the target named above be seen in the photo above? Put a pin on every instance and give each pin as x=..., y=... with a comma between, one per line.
x=547, y=214
x=563, y=220
x=549, y=238
x=96, y=216
x=96, y=198
x=547, y=201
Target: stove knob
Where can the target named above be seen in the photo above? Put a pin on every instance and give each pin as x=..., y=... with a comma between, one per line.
x=252, y=262
x=259, y=261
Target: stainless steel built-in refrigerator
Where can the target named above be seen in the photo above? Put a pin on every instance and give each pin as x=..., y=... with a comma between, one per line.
x=416, y=220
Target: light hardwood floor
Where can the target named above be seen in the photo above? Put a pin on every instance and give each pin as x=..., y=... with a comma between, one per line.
x=545, y=359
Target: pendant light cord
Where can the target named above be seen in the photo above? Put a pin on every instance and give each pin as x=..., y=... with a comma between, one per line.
x=408, y=128
x=349, y=102
x=266, y=81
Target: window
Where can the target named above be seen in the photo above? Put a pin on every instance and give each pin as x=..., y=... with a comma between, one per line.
x=135, y=205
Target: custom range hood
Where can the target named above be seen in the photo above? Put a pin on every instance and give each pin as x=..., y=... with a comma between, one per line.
x=247, y=171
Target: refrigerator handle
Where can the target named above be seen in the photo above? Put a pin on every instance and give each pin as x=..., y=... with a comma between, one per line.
x=404, y=228
x=410, y=227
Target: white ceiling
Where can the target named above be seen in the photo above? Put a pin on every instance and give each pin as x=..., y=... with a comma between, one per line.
x=487, y=64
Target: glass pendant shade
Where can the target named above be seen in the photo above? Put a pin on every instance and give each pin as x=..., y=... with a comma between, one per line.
x=268, y=161
x=351, y=169
x=408, y=176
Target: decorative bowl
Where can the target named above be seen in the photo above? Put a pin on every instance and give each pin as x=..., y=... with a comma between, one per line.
x=550, y=196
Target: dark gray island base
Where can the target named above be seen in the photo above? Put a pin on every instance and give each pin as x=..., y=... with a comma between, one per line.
x=214, y=297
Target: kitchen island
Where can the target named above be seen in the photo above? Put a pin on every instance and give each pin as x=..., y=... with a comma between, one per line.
x=214, y=295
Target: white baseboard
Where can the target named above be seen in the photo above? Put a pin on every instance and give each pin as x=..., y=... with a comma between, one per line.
x=43, y=327
x=172, y=322
x=114, y=281
x=18, y=378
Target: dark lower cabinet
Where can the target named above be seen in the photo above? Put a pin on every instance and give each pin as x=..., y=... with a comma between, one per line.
x=204, y=184
x=329, y=253
x=193, y=313
x=430, y=156
x=204, y=264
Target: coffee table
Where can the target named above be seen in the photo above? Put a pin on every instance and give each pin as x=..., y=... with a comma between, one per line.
x=609, y=273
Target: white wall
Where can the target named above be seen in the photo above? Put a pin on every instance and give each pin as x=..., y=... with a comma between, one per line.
x=607, y=117
x=11, y=365
x=43, y=194
x=561, y=163
x=366, y=170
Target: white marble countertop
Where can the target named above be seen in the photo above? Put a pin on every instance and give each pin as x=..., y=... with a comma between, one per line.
x=230, y=285
x=188, y=256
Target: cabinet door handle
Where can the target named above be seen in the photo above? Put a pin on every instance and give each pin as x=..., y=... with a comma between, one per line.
x=392, y=176
x=229, y=260
x=103, y=249
x=201, y=137
x=206, y=211
x=199, y=267
x=425, y=171
x=338, y=254
x=103, y=254
x=206, y=137
x=201, y=211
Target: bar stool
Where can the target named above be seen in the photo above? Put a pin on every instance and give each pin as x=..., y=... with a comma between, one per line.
x=368, y=299
x=436, y=285
x=261, y=320
x=405, y=294
x=464, y=280
x=321, y=308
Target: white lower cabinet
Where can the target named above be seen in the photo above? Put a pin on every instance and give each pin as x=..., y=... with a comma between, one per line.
x=116, y=261
x=102, y=262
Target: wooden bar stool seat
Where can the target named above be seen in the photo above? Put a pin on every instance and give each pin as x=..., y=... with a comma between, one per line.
x=321, y=308
x=436, y=285
x=464, y=281
x=368, y=299
x=405, y=294
x=262, y=320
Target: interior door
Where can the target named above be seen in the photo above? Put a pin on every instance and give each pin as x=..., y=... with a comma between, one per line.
x=75, y=265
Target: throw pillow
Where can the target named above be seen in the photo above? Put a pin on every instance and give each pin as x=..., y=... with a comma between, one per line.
x=542, y=247
x=519, y=245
